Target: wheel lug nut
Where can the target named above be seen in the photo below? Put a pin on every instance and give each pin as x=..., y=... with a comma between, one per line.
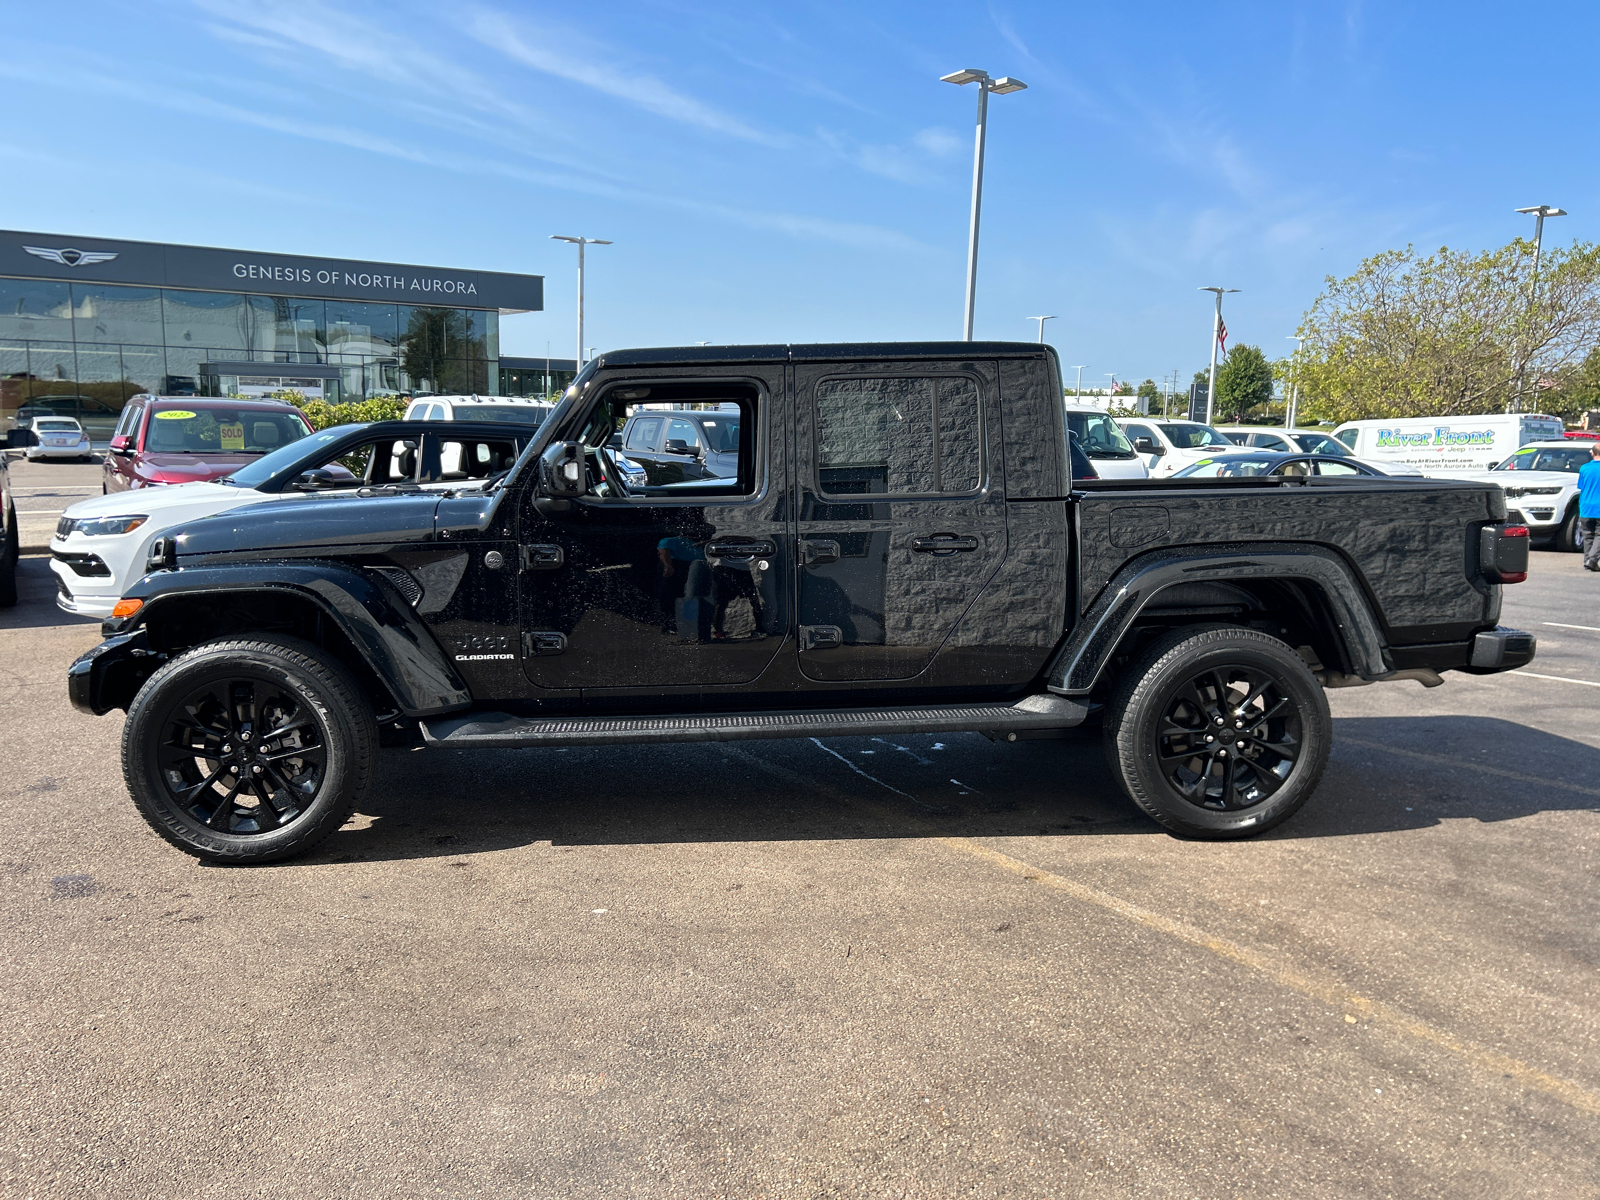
x=1239, y=744
x=227, y=749
x=1222, y=753
x=1209, y=738
x=1219, y=720
x=257, y=770
x=245, y=736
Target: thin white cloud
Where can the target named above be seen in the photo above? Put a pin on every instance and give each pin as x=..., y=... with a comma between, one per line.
x=938, y=142
x=540, y=50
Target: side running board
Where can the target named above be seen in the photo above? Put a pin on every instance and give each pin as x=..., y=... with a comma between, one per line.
x=502, y=731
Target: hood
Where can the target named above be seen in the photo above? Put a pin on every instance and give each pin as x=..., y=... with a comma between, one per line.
x=1518, y=479
x=311, y=524
x=151, y=501
x=193, y=467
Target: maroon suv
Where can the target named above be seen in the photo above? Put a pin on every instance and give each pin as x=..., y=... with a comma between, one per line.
x=191, y=439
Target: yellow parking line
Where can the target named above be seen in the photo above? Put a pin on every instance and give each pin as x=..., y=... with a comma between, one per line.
x=1332, y=993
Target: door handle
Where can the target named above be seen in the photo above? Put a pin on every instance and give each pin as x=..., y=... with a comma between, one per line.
x=740, y=549
x=945, y=543
x=816, y=550
x=820, y=637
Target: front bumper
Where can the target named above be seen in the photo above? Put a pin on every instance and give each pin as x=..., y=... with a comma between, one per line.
x=110, y=675
x=83, y=595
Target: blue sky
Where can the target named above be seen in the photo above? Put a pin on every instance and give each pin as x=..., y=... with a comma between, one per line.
x=797, y=172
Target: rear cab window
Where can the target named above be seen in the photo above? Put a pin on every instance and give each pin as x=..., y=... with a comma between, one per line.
x=911, y=436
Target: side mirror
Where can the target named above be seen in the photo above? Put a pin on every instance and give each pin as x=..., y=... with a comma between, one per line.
x=561, y=472
x=1146, y=445
x=321, y=479
x=615, y=443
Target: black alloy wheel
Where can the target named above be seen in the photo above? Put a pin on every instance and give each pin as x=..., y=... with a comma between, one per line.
x=1229, y=738
x=248, y=750
x=1218, y=731
x=243, y=755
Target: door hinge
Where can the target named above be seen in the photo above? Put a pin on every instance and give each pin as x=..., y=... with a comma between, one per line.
x=542, y=558
x=815, y=550
x=820, y=637
x=541, y=642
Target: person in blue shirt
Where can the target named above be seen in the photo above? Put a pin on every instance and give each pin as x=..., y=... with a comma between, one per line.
x=1589, y=508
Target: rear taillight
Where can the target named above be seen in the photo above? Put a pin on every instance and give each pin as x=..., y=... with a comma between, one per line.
x=1503, y=553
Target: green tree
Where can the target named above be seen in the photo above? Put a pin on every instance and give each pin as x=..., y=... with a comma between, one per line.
x=1244, y=382
x=1448, y=334
x=1149, y=396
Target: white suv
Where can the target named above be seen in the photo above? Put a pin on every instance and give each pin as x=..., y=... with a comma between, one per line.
x=1541, y=485
x=520, y=410
x=1169, y=446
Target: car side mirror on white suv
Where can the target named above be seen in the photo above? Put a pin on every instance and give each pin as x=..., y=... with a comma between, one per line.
x=1145, y=445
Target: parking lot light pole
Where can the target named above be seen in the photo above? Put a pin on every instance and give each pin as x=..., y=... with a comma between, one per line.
x=1216, y=337
x=1041, y=321
x=580, y=243
x=1293, y=413
x=1539, y=213
x=1077, y=392
x=1000, y=87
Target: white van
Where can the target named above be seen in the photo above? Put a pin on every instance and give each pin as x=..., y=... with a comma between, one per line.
x=521, y=410
x=1447, y=443
x=1103, y=441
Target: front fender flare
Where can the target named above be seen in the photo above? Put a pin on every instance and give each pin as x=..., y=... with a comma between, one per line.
x=1077, y=666
x=385, y=632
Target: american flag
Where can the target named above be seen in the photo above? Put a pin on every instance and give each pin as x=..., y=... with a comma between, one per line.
x=1222, y=332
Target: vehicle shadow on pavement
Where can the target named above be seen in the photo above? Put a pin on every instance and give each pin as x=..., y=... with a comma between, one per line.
x=36, y=603
x=1386, y=775
x=426, y=803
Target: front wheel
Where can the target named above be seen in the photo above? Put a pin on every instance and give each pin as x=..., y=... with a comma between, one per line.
x=1568, y=537
x=245, y=751
x=1218, y=733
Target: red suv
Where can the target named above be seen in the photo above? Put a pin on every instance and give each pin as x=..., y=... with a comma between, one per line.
x=190, y=439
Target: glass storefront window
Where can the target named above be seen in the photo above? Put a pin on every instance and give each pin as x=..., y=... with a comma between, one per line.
x=143, y=368
x=35, y=310
x=182, y=376
x=280, y=326
x=107, y=313
x=207, y=319
x=369, y=329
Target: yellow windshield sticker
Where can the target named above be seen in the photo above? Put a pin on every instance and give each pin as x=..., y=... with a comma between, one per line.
x=1205, y=462
x=232, y=436
x=174, y=414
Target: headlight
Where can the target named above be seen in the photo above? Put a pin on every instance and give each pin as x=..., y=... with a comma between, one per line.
x=109, y=526
x=1533, y=491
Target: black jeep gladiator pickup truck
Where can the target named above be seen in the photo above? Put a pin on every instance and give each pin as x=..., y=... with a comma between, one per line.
x=901, y=549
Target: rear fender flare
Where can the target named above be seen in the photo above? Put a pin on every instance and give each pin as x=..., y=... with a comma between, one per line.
x=1078, y=665
x=385, y=632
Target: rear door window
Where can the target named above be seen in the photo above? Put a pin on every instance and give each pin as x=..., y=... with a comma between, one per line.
x=644, y=433
x=908, y=436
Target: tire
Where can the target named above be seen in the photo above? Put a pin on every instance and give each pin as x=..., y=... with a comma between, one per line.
x=1567, y=538
x=1166, y=703
x=193, y=775
x=10, y=548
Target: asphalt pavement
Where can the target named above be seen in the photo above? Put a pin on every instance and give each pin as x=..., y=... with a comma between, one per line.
x=897, y=967
x=43, y=490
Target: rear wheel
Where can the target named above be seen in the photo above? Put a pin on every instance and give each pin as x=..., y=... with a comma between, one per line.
x=247, y=751
x=1218, y=733
x=1568, y=537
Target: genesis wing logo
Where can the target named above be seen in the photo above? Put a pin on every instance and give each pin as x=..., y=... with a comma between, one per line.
x=71, y=258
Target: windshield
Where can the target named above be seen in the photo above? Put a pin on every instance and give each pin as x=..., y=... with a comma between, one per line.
x=511, y=414
x=1320, y=443
x=1194, y=437
x=1228, y=468
x=1099, y=435
x=722, y=434
x=264, y=468
x=178, y=430
x=1546, y=458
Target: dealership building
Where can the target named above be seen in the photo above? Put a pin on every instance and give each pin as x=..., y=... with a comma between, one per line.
x=102, y=320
